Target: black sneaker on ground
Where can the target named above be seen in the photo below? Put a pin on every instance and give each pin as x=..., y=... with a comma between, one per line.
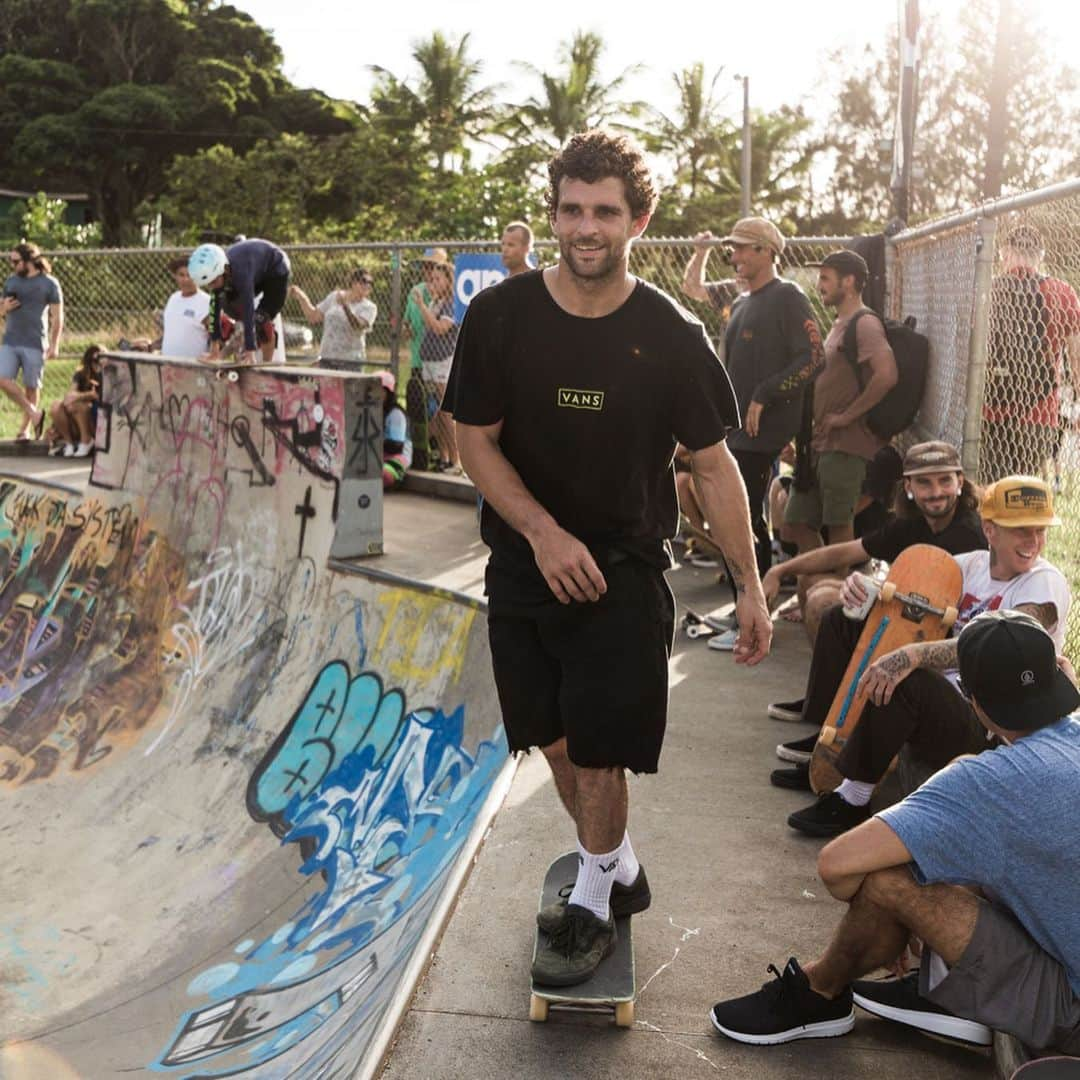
x=625, y=900
x=829, y=816
x=899, y=1000
x=783, y=1010
x=574, y=951
x=787, y=710
x=798, y=751
x=797, y=778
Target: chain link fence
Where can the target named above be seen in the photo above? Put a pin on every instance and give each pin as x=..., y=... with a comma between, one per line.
x=997, y=290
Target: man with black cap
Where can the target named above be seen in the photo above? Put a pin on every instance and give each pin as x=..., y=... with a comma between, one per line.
x=980, y=864
x=772, y=351
x=937, y=505
x=842, y=444
x=912, y=695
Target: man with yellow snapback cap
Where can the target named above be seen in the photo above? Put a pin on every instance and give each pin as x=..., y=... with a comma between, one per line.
x=913, y=696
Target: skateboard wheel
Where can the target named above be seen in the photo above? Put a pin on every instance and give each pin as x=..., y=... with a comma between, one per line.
x=624, y=1014
x=888, y=591
x=538, y=1009
x=234, y=376
x=827, y=736
x=949, y=617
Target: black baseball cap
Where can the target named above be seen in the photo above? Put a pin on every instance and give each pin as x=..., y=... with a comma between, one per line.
x=845, y=263
x=1008, y=663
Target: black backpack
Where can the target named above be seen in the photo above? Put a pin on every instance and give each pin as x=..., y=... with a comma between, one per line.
x=1019, y=368
x=896, y=411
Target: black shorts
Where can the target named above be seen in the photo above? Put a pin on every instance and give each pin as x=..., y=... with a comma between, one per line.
x=594, y=672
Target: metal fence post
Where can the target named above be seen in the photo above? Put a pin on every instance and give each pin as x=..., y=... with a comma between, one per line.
x=980, y=322
x=395, y=310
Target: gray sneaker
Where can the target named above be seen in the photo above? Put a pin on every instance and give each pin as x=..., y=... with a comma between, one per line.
x=574, y=950
x=625, y=900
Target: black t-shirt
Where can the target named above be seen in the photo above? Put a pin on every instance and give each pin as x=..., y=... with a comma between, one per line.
x=591, y=411
x=772, y=349
x=964, y=533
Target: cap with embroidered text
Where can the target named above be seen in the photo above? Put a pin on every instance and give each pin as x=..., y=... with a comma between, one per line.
x=1017, y=502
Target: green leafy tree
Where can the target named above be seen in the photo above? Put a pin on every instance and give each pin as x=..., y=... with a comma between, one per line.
x=448, y=104
x=42, y=220
x=137, y=83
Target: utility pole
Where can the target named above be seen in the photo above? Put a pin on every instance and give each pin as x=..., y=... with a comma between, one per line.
x=998, y=121
x=745, y=203
x=904, y=137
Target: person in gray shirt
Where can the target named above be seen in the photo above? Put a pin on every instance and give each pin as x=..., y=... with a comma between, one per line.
x=33, y=310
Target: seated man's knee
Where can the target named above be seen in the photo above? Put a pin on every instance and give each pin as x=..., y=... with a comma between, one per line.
x=889, y=887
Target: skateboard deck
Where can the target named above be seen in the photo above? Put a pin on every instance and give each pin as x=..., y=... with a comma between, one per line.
x=917, y=603
x=612, y=987
x=697, y=626
x=1049, y=1068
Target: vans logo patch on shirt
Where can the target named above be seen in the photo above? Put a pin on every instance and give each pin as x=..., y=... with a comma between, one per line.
x=580, y=399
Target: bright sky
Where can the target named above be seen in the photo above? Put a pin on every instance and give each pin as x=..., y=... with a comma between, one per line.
x=779, y=44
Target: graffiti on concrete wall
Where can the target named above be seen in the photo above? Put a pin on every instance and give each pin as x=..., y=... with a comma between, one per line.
x=378, y=797
x=84, y=600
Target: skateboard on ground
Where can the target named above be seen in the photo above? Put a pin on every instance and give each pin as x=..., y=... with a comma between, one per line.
x=1049, y=1068
x=917, y=603
x=697, y=626
x=612, y=987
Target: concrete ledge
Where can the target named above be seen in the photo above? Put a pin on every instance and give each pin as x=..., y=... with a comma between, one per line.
x=443, y=485
x=24, y=448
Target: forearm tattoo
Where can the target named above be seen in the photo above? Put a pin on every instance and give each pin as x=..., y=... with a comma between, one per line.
x=938, y=655
x=1044, y=614
x=895, y=663
x=738, y=578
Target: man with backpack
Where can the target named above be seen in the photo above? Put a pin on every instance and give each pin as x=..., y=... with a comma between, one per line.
x=1034, y=325
x=859, y=371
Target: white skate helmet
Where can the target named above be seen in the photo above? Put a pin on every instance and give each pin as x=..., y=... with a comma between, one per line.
x=208, y=261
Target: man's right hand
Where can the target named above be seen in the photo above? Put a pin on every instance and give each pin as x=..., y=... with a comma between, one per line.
x=10, y=303
x=852, y=593
x=568, y=567
x=701, y=241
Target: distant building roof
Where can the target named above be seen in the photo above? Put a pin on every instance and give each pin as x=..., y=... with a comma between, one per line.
x=11, y=193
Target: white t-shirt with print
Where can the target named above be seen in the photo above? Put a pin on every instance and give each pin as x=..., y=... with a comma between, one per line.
x=339, y=340
x=1042, y=584
x=183, y=332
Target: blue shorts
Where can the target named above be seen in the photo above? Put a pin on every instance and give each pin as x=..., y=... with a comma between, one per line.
x=32, y=361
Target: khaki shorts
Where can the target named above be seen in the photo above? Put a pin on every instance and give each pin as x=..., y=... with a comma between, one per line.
x=838, y=483
x=1008, y=982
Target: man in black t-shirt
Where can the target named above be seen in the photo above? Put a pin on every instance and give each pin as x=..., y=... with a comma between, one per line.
x=937, y=506
x=570, y=388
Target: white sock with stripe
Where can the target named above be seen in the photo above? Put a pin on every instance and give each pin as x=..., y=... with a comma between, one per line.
x=627, y=871
x=596, y=875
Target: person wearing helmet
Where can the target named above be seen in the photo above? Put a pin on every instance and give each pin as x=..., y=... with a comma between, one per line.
x=249, y=282
x=397, y=446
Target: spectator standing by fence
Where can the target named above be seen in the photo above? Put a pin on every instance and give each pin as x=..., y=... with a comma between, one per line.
x=436, y=356
x=1034, y=326
x=416, y=403
x=33, y=309
x=184, y=321
x=346, y=316
x=516, y=245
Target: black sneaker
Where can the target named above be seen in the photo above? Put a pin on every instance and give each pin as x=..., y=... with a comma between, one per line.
x=797, y=778
x=782, y=1010
x=787, y=710
x=829, y=816
x=574, y=951
x=625, y=900
x=899, y=1000
x=798, y=751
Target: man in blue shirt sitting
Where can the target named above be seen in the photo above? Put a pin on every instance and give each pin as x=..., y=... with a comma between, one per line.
x=980, y=865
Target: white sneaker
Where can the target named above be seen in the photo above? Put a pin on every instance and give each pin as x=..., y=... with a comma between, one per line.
x=704, y=562
x=83, y=449
x=725, y=642
x=69, y=450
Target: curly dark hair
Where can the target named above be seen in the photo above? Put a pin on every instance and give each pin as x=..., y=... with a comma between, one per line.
x=595, y=155
x=967, y=503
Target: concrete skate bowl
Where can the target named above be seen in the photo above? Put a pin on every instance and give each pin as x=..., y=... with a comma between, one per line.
x=238, y=778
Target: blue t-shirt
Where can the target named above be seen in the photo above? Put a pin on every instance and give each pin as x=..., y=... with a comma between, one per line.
x=1006, y=821
x=396, y=429
x=27, y=326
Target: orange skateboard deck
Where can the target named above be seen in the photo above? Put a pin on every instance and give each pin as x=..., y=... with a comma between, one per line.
x=917, y=603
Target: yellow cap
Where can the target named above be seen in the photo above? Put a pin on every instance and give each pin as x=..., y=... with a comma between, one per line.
x=1019, y=501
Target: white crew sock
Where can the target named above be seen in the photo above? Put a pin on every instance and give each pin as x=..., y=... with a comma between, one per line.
x=595, y=876
x=627, y=871
x=855, y=792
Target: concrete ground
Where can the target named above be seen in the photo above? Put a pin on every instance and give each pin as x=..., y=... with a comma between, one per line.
x=734, y=889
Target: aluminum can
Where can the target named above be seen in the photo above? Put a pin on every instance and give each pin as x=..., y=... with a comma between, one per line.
x=872, y=587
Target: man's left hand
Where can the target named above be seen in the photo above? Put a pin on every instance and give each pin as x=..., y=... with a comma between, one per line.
x=752, y=421
x=882, y=677
x=755, y=628
x=52, y=352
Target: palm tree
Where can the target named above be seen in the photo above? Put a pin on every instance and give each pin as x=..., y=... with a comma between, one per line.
x=448, y=103
x=573, y=100
x=697, y=133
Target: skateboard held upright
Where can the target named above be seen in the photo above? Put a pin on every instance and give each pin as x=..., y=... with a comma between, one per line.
x=917, y=603
x=612, y=987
